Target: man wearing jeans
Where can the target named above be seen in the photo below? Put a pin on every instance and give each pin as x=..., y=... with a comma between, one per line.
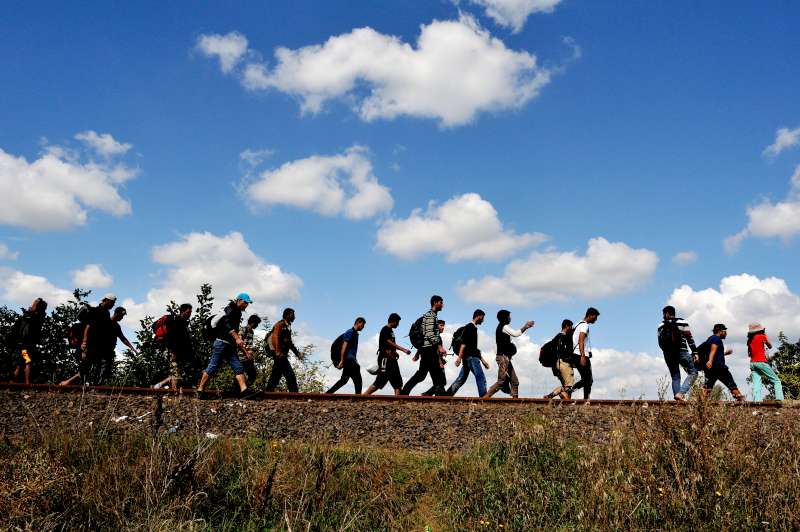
x=227, y=343
x=582, y=352
x=470, y=355
x=677, y=344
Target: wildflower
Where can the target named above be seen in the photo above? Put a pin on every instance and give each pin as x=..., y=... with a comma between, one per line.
x=718, y=494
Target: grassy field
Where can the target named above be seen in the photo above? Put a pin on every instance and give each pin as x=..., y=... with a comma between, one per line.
x=724, y=468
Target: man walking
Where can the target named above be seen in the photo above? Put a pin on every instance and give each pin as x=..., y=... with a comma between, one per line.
x=388, y=368
x=582, y=349
x=27, y=334
x=348, y=357
x=177, y=342
x=471, y=357
x=247, y=333
x=109, y=351
x=96, y=323
x=280, y=344
x=715, y=367
x=506, y=374
x=227, y=344
x=563, y=368
x=431, y=349
x=676, y=342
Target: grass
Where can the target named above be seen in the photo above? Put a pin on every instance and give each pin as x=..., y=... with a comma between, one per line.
x=711, y=468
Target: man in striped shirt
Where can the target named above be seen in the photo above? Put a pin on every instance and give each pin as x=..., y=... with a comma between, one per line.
x=431, y=349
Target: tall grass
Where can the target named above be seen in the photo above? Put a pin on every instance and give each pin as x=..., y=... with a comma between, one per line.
x=706, y=467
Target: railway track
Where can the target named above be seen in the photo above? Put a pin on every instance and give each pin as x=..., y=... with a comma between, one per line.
x=272, y=396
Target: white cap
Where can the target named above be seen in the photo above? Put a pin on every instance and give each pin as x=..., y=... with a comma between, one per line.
x=110, y=297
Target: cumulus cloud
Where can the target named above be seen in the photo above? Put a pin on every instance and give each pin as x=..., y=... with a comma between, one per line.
x=104, y=144
x=462, y=228
x=91, y=276
x=7, y=254
x=228, y=263
x=56, y=191
x=785, y=138
x=739, y=300
x=335, y=185
x=514, y=13
x=20, y=288
x=684, y=258
x=229, y=48
x=771, y=220
x=456, y=71
x=607, y=268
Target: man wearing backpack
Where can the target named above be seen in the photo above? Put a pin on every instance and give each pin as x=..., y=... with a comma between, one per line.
x=227, y=344
x=676, y=342
x=507, y=379
x=97, y=328
x=582, y=352
x=562, y=367
x=431, y=347
x=279, y=344
x=247, y=334
x=388, y=368
x=27, y=335
x=348, y=357
x=172, y=333
x=712, y=352
x=465, y=347
x=109, y=351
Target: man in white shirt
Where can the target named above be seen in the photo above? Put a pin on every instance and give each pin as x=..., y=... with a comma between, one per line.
x=582, y=351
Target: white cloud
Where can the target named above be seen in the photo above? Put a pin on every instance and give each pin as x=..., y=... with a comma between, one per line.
x=56, y=191
x=104, y=144
x=19, y=288
x=253, y=157
x=785, y=138
x=228, y=48
x=514, y=13
x=740, y=299
x=91, y=276
x=7, y=254
x=771, y=220
x=228, y=263
x=607, y=268
x=684, y=258
x=456, y=71
x=462, y=228
x=330, y=185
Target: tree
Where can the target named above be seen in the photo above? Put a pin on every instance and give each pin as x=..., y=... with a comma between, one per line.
x=786, y=361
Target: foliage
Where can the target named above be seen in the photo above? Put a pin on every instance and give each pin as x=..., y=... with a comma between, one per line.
x=786, y=361
x=151, y=364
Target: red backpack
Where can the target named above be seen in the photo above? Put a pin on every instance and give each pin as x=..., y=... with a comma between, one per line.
x=161, y=328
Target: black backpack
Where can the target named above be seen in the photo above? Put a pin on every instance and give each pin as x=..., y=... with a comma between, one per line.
x=548, y=354
x=670, y=338
x=84, y=313
x=457, y=341
x=415, y=334
x=208, y=328
x=703, y=350
x=336, y=350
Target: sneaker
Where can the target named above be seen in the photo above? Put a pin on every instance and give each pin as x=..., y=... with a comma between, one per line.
x=248, y=394
x=156, y=386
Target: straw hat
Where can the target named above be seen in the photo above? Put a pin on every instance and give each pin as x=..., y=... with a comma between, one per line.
x=755, y=327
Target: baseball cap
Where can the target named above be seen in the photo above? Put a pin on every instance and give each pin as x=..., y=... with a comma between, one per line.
x=110, y=297
x=244, y=297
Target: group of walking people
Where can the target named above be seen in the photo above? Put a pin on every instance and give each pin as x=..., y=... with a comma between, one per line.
x=94, y=335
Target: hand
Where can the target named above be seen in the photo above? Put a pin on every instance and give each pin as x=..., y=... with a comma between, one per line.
x=339, y=365
x=485, y=364
x=530, y=324
x=729, y=352
x=416, y=357
x=708, y=364
x=582, y=361
x=407, y=351
x=442, y=350
x=458, y=362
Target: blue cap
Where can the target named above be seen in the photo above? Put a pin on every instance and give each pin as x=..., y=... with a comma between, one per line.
x=244, y=297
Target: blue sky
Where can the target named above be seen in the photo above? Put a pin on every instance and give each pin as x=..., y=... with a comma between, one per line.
x=649, y=131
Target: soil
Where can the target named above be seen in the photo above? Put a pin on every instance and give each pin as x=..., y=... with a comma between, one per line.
x=401, y=425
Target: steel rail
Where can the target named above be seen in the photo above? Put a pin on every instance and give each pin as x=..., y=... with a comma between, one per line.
x=219, y=394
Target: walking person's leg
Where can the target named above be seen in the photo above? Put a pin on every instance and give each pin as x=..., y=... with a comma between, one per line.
x=278, y=369
x=460, y=380
x=514, y=380
x=419, y=375
x=586, y=378
x=755, y=377
x=480, y=377
x=502, y=375
x=687, y=362
x=765, y=370
x=355, y=374
x=674, y=372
